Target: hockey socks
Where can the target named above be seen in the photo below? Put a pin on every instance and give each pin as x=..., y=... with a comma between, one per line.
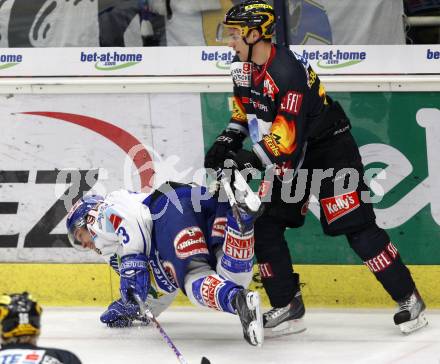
x=238, y=248
x=373, y=246
x=215, y=292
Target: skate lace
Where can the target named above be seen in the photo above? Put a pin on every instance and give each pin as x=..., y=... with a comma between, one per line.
x=274, y=313
x=408, y=304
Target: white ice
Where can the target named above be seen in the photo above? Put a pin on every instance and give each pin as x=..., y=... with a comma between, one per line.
x=332, y=336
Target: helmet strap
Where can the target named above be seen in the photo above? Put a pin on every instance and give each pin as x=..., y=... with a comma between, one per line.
x=251, y=46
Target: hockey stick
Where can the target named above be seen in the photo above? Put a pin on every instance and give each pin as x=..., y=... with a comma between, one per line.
x=145, y=311
x=251, y=200
x=233, y=202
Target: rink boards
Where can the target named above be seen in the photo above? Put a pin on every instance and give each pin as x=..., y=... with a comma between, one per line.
x=89, y=137
x=322, y=285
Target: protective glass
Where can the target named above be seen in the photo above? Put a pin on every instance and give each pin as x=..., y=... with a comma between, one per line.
x=227, y=33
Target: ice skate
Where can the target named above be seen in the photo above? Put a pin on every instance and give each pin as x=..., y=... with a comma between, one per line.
x=245, y=204
x=411, y=316
x=248, y=201
x=247, y=305
x=285, y=320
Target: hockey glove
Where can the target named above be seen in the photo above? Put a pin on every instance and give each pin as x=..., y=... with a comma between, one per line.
x=135, y=278
x=228, y=141
x=120, y=314
x=244, y=159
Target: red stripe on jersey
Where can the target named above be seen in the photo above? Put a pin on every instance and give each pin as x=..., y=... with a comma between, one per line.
x=115, y=220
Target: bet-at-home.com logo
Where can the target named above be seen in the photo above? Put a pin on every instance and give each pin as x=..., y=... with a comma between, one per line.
x=10, y=60
x=222, y=59
x=334, y=58
x=111, y=61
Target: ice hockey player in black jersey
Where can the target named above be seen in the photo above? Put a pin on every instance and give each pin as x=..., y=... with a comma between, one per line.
x=280, y=103
x=20, y=328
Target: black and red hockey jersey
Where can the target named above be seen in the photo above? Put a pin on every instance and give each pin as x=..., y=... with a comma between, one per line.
x=28, y=353
x=281, y=106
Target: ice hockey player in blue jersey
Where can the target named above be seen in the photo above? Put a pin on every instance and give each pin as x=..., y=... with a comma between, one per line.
x=20, y=318
x=178, y=236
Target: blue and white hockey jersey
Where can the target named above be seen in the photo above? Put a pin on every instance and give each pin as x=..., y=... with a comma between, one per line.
x=169, y=231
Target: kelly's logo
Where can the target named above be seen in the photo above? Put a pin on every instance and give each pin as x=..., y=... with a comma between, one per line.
x=338, y=206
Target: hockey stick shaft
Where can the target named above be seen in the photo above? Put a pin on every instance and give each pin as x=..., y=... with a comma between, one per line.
x=148, y=314
x=232, y=201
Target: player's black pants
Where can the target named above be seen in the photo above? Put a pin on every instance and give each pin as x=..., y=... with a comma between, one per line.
x=332, y=166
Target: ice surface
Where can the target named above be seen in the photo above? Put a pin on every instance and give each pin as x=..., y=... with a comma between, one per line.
x=332, y=336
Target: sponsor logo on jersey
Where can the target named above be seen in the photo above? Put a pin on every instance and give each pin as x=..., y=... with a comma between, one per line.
x=190, y=241
x=111, y=61
x=241, y=73
x=170, y=271
x=338, y=206
x=222, y=59
x=239, y=246
x=383, y=260
x=219, y=226
x=210, y=287
x=291, y=102
x=238, y=112
x=271, y=145
x=283, y=132
x=10, y=60
x=245, y=100
x=265, y=270
x=160, y=277
x=311, y=77
x=269, y=87
x=32, y=357
x=335, y=58
x=259, y=106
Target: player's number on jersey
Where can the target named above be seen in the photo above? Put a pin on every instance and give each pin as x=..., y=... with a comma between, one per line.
x=123, y=232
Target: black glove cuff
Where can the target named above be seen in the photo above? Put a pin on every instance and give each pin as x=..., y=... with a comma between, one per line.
x=232, y=138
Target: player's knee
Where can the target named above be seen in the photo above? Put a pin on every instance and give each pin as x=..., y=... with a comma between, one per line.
x=368, y=242
x=268, y=232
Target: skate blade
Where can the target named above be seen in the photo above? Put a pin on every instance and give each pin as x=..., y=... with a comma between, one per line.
x=286, y=328
x=413, y=325
x=255, y=329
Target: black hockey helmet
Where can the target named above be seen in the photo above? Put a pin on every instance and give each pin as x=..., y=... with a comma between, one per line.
x=19, y=315
x=248, y=15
